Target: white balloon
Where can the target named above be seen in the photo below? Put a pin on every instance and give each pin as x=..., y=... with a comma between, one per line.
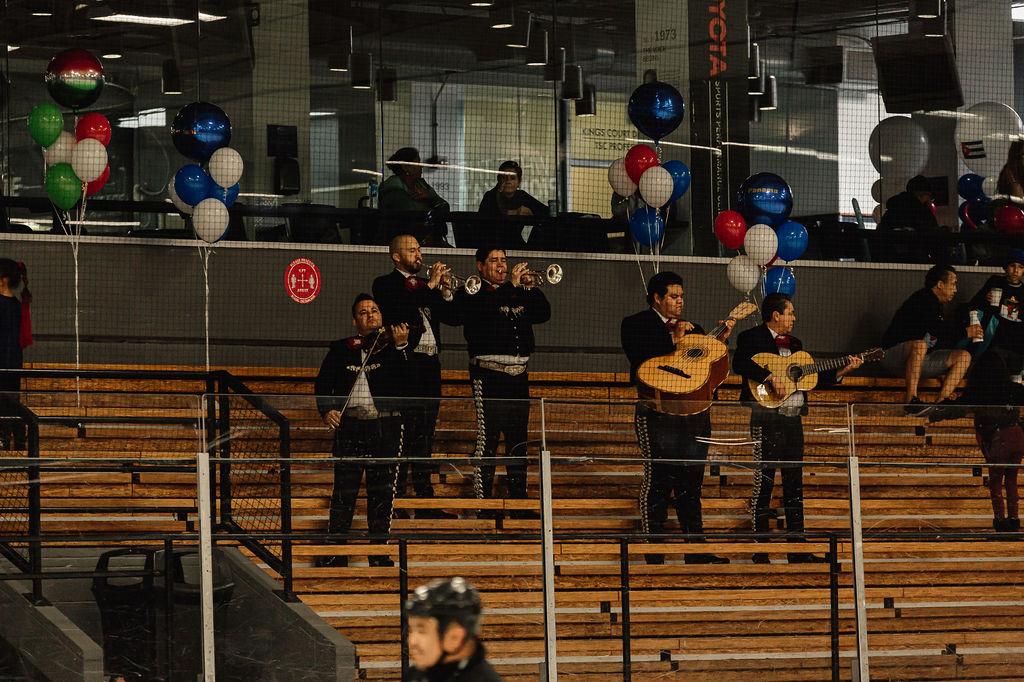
x=619, y=179
x=761, y=243
x=226, y=166
x=898, y=146
x=743, y=273
x=88, y=159
x=210, y=219
x=656, y=186
x=990, y=186
x=60, y=150
x=876, y=214
x=984, y=133
x=176, y=200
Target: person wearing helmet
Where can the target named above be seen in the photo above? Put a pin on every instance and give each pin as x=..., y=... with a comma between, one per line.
x=444, y=628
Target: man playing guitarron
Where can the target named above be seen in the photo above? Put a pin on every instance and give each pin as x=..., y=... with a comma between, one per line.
x=664, y=437
x=778, y=433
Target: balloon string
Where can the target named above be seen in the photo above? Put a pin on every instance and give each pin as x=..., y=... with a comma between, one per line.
x=636, y=250
x=204, y=253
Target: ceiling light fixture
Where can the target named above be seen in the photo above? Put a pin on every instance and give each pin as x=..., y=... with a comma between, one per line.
x=170, y=82
x=340, y=59
x=587, y=105
x=112, y=55
x=362, y=70
x=519, y=34
x=770, y=102
x=140, y=19
x=503, y=17
x=387, y=84
x=926, y=9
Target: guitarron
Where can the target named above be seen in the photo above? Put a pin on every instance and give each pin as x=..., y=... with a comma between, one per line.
x=797, y=372
x=684, y=382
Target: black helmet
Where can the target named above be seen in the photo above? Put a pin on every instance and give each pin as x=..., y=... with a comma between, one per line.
x=447, y=600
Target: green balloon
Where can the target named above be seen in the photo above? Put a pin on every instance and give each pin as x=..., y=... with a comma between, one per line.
x=63, y=186
x=45, y=124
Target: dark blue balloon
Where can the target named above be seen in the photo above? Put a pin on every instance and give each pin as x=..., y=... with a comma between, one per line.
x=969, y=187
x=646, y=226
x=229, y=195
x=779, y=280
x=200, y=129
x=656, y=109
x=764, y=198
x=680, y=173
x=792, y=240
x=192, y=184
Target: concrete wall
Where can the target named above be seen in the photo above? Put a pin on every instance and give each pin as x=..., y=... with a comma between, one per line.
x=142, y=301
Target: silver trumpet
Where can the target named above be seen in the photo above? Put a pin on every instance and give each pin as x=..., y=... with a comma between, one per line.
x=552, y=275
x=450, y=283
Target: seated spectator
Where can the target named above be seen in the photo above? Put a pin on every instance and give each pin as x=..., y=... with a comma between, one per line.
x=406, y=190
x=998, y=309
x=920, y=340
x=911, y=211
x=507, y=199
x=1011, y=178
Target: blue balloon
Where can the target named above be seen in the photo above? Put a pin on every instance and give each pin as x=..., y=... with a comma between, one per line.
x=969, y=187
x=192, y=184
x=200, y=129
x=779, y=280
x=680, y=173
x=656, y=109
x=764, y=198
x=792, y=240
x=646, y=226
x=229, y=195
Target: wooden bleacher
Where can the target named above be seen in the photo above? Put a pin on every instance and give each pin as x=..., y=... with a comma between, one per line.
x=938, y=609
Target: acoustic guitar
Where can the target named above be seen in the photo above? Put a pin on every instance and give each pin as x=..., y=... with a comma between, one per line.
x=797, y=372
x=684, y=382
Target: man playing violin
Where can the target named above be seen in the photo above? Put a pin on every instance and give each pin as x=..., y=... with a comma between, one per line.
x=408, y=299
x=665, y=437
x=356, y=391
x=498, y=325
x=778, y=433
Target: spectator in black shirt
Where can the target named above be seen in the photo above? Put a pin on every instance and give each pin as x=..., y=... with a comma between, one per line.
x=15, y=334
x=507, y=199
x=920, y=339
x=999, y=309
x=910, y=211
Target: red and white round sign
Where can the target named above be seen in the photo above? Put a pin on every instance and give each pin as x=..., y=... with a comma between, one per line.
x=302, y=280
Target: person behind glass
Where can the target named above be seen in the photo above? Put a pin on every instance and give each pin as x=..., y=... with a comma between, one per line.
x=1011, y=177
x=907, y=212
x=15, y=336
x=920, y=341
x=507, y=198
x=416, y=302
x=661, y=436
x=778, y=434
x=498, y=326
x=355, y=390
x=406, y=190
x=998, y=432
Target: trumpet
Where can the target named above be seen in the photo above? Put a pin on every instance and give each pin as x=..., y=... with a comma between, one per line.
x=552, y=275
x=450, y=283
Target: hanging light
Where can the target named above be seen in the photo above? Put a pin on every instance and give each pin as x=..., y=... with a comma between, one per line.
x=554, y=70
x=587, y=105
x=387, y=84
x=926, y=9
x=170, y=81
x=758, y=85
x=362, y=70
x=770, y=101
x=340, y=58
x=503, y=17
x=934, y=28
x=572, y=85
x=755, y=109
x=754, y=63
x=481, y=3
x=537, y=53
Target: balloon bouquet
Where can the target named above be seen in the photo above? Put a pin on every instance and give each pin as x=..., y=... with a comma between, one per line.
x=76, y=164
x=771, y=243
x=202, y=131
x=656, y=109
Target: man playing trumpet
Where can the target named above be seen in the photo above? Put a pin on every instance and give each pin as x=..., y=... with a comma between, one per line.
x=417, y=302
x=498, y=325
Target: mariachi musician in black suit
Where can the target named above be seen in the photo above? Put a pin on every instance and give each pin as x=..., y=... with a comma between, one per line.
x=778, y=434
x=405, y=298
x=648, y=334
x=355, y=393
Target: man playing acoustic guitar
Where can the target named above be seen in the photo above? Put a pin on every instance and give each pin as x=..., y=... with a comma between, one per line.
x=665, y=437
x=778, y=433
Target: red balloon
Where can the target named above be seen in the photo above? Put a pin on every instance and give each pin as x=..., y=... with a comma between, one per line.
x=933, y=208
x=639, y=158
x=730, y=228
x=96, y=185
x=1010, y=219
x=95, y=126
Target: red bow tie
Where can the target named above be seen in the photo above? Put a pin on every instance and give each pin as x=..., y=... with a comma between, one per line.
x=783, y=340
x=671, y=325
